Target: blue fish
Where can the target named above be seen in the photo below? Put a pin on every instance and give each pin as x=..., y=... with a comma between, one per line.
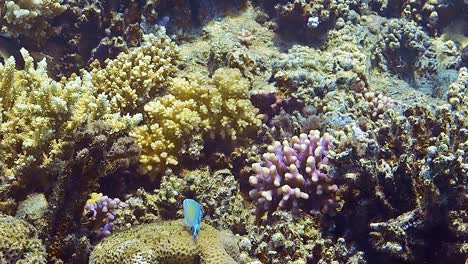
x=193, y=214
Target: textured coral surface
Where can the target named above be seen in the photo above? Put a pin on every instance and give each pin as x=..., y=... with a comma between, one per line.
x=167, y=242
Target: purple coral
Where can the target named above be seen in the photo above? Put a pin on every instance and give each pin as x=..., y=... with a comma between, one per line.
x=293, y=174
x=103, y=213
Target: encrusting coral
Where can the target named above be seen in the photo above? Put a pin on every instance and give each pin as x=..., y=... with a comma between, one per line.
x=218, y=109
x=167, y=242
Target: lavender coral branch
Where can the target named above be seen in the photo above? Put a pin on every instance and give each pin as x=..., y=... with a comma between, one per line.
x=293, y=174
x=102, y=213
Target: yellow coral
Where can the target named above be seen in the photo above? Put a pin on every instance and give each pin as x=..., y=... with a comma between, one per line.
x=135, y=77
x=39, y=115
x=94, y=197
x=29, y=18
x=194, y=106
x=167, y=242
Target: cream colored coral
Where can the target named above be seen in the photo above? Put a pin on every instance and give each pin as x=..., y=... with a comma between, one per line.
x=135, y=77
x=39, y=115
x=30, y=18
x=167, y=242
x=218, y=108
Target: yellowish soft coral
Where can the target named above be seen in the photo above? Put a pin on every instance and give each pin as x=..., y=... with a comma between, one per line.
x=135, y=77
x=40, y=115
x=29, y=18
x=216, y=108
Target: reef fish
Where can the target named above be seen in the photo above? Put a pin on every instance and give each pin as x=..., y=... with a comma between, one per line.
x=193, y=214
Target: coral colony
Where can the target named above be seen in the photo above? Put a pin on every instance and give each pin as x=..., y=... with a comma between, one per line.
x=293, y=173
x=103, y=213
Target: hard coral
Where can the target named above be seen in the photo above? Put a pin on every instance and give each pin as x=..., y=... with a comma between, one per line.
x=29, y=18
x=101, y=211
x=135, y=77
x=293, y=174
x=19, y=243
x=40, y=115
x=166, y=242
x=216, y=109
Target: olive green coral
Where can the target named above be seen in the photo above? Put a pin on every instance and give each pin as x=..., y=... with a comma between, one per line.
x=19, y=243
x=135, y=77
x=166, y=242
x=216, y=108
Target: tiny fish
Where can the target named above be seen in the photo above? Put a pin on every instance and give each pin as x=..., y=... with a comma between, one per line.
x=193, y=214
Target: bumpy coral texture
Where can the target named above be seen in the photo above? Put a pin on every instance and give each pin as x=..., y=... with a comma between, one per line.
x=294, y=173
x=218, y=109
x=38, y=116
x=30, y=18
x=457, y=91
x=135, y=77
x=310, y=73
x=19, y=243
x=166, y=242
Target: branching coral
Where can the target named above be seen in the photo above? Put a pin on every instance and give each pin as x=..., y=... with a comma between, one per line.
x=100, y=212
x=135, y=77
x=29, y=18
x=293, y=174
x=217, y=109
x=39, y=116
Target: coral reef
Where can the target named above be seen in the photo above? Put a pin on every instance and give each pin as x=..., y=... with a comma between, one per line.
x=96, y=151
x=310, y=74
x=155, y=101
x=19, y=242
x=456, y=94
x=217, y=191
x=288, y=237
x=167, y=242
x=401, y=45
x=217, y=109
x=408, y=176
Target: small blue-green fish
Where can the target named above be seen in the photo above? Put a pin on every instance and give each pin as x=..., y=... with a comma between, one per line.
x=193, y=214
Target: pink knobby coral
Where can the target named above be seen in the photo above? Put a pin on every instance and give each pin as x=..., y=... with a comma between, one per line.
x=294, y=174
